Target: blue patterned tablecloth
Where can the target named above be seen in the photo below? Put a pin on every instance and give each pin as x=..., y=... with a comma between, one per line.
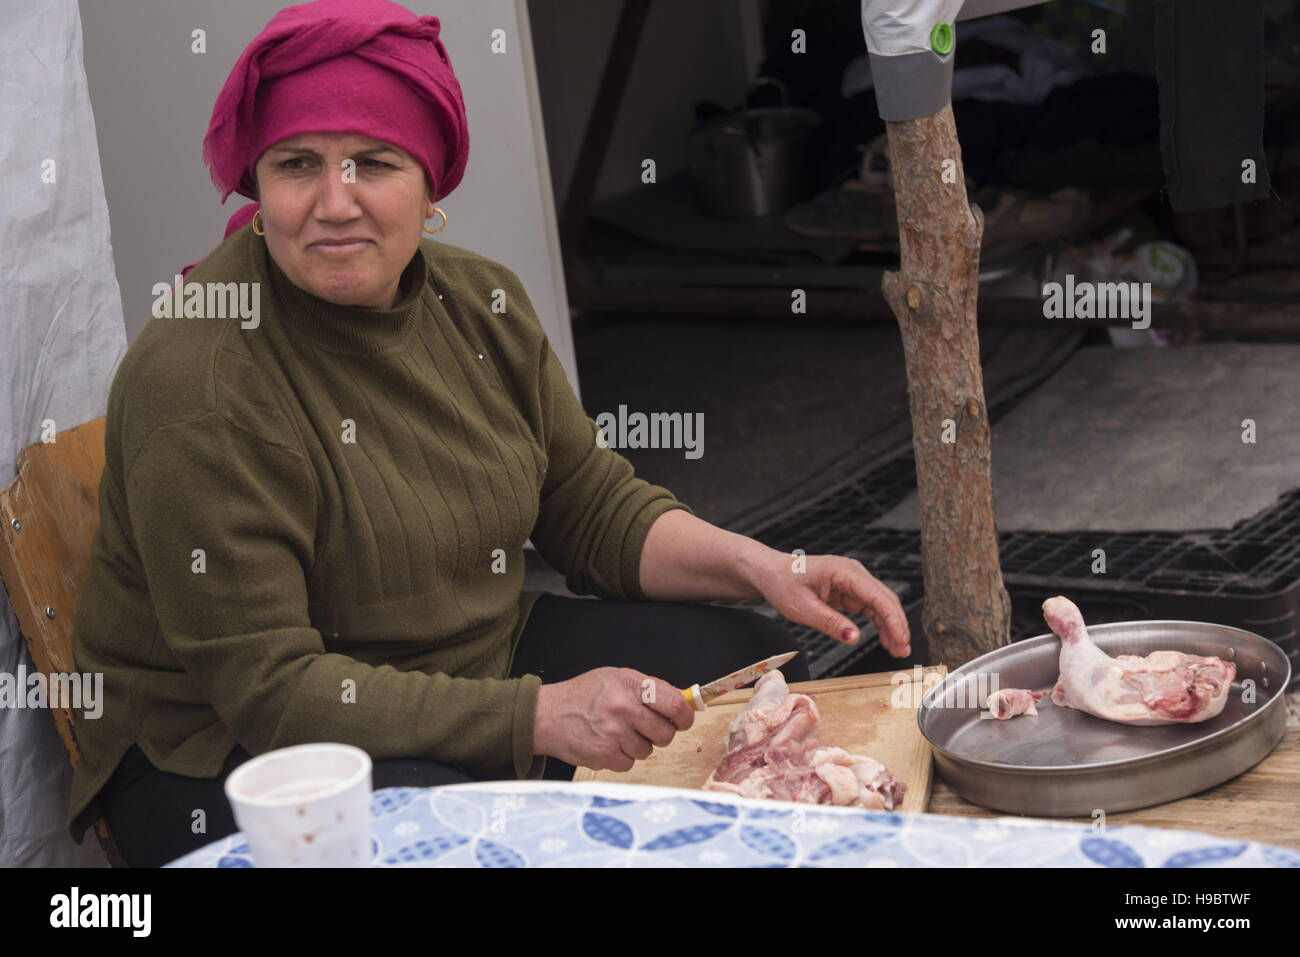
x=545, y=824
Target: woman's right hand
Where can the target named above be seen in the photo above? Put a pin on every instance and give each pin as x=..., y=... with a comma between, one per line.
x=608, y=718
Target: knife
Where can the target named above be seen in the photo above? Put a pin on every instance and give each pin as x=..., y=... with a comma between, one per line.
x=700, y=696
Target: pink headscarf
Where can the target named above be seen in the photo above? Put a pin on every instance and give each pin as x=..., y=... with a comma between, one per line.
x=348, y=66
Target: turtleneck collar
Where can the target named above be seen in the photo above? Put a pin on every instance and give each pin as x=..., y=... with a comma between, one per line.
x=356, y=330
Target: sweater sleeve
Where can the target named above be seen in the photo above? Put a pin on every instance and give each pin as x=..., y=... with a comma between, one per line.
x=595, y=513
x=225, y=524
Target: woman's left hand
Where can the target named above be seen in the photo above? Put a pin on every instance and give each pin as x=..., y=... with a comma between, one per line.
x=811, y=596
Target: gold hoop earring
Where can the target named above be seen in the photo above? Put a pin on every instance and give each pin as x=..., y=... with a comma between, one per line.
x=440, y=228
x=260, y=232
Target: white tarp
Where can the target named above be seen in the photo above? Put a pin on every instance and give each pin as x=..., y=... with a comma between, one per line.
x=61, y=338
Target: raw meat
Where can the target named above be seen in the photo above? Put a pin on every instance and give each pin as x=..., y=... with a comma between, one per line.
x=773, y=752
x=1165, y=687
x=1013, y=701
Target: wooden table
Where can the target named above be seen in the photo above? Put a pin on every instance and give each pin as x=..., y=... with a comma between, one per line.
x=1262, y=804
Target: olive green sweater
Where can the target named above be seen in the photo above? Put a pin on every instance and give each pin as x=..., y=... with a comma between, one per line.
x=313, y=530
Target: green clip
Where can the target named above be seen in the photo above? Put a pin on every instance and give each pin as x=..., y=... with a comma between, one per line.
x=941, y=39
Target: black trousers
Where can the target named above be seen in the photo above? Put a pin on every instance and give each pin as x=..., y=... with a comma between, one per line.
x=151, y=813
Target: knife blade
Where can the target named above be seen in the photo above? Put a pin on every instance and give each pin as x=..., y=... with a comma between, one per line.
x=699, y=696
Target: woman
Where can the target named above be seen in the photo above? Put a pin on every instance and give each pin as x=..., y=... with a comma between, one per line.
x=312, y=525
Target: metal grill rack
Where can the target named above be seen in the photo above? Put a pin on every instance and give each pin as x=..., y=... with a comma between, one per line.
x=1247, y=576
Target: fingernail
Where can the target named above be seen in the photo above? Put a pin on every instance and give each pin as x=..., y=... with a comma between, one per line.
x=850, y=634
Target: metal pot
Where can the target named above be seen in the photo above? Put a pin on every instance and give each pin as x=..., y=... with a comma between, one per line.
x=754, y=162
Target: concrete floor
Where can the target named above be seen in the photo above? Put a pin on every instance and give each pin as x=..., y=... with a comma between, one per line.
x=790, y=406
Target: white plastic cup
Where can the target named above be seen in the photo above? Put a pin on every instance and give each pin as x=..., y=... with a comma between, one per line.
x=305, y=806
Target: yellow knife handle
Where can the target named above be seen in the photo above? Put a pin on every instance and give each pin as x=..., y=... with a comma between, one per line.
x=695, y=697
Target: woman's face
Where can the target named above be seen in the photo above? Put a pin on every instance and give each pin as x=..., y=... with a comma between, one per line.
x=310, y=202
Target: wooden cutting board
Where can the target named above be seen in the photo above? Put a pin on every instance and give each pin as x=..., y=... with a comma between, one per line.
x=873, y=715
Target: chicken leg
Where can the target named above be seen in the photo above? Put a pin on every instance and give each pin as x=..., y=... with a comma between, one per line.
x=1165, y=687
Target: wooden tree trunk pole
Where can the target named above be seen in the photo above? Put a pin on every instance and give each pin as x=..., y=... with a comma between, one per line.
x=967, y=611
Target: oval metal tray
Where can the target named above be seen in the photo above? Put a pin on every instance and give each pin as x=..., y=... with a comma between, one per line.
x=1067, y=763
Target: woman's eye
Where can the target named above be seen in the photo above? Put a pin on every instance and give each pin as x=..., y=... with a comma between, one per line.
x=289, y=163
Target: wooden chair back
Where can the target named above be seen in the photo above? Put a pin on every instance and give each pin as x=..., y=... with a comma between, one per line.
x=48, y=518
